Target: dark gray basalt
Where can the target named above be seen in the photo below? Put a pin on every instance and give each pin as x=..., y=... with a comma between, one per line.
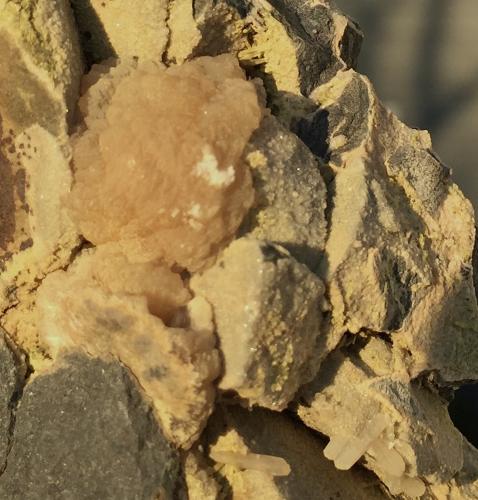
x=84, y=432
x=290, y=202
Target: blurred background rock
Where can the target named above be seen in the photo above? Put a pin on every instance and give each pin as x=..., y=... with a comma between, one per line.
x=422, y=56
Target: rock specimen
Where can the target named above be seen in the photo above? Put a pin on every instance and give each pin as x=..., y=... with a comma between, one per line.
x=271, y=342
x=40, y=64
x=292, y=46
x=37, y=235
x=40, y=67
x=289, y=207
x=186, y=193
x=398, y=256
x=83, y=431
x=403, y=430
x=124, y=316
x=313, y=257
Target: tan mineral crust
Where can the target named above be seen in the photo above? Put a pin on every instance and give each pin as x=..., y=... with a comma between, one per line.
x=209, y=195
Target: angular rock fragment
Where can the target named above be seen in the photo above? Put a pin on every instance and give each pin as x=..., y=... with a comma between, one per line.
x=399, y=251
x=234, y=431
x=403, y=430
x=114, y=316
x=83, y=431
x=290, y=203
x=292, y=47
x=40, y=64
x=112, y=28
x=180, y=199
x=267, y=310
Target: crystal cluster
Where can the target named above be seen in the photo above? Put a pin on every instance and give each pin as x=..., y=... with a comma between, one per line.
x=158, y=170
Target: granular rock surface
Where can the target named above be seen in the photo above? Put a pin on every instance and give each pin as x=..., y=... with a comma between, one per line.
x=69, y=426
x=226, y=269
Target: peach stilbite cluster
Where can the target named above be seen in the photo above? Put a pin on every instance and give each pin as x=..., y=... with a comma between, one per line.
x=159, y=170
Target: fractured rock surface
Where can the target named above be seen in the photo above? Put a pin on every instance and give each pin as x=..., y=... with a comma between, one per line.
x=37, y=234
x=403, y=430
x=267, y=313
x=399, y=252
x=40, y=64
x=83, y=431
x=239, y=432
x=291, y=197
x=113, y=28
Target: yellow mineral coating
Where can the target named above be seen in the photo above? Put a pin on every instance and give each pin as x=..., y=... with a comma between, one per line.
x=124, y=29
x=272, y=46
x=184, y=32
x=40, y=63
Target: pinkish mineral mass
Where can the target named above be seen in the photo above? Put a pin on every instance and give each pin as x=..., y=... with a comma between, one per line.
x=158, y=168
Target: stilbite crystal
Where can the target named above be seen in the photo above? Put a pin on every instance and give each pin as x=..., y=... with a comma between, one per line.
x=275, y=466
x=160, y=170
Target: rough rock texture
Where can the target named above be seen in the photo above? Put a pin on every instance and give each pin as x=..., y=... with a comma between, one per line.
x=83, y=431
x=267, y=314
x=199, y=477
x=12, y=378
x=399, y=252
x=37, y=235
x=174, y=365
x=290, y=202
x=416, y=438
x=114, y=28
x=233, y=429
x=292, y=46
x=40, y=64
x=352, y=272
x=187, y=194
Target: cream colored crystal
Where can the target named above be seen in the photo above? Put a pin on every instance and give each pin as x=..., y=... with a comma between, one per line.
x=275, y=466
x=345, y=452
